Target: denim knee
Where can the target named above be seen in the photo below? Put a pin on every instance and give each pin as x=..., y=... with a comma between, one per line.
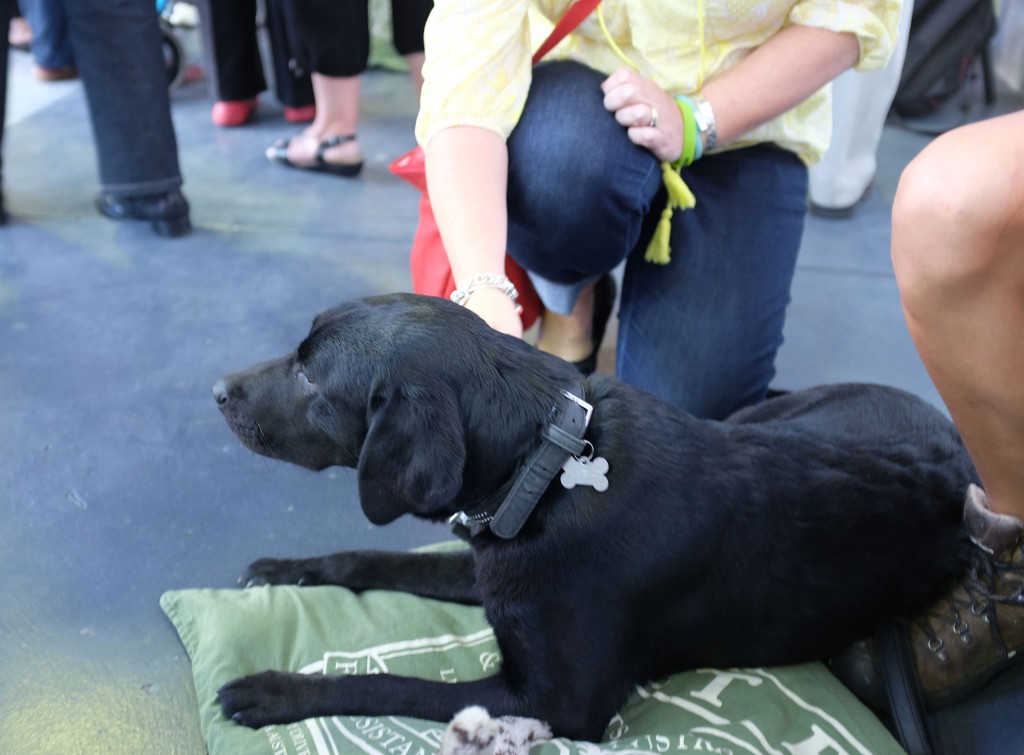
x=702, y=332
x=578, y=189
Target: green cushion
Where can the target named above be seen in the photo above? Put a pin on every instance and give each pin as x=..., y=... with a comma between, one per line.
x=229, y=633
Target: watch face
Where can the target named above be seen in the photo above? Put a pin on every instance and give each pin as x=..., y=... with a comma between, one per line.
x=705, y=118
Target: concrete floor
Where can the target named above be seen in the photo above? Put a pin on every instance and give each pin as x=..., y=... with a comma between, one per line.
x=118, y=478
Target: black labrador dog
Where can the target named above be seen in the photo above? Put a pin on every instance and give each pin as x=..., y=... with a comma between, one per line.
x=614, y=539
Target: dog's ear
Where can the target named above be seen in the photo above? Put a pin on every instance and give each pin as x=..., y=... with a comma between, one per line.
x=414, y=453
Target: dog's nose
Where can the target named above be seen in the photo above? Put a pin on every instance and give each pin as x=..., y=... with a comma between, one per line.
x=220, y=391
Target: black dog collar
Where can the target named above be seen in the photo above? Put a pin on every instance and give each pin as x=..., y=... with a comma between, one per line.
x=562, y=438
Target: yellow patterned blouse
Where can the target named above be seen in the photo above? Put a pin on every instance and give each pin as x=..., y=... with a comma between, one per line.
x=477, y=70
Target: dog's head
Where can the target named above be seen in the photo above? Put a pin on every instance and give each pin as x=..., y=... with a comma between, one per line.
x=428, y=403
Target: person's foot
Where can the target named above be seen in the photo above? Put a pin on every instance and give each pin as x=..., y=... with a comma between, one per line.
x=337, y=154
x=970, y=635
x=167, y=211
x=604, y=300
x=577, y=337
x=303, y=150
x=61, y=73
x=232, y=113
x=19, y=34
x=300, y=114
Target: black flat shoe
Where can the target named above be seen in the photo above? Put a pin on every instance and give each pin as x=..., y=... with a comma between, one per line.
x=278, y=153
x=604, y=300
x=167, y=211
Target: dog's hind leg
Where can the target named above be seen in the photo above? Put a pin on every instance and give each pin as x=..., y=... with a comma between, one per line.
x=442, y=576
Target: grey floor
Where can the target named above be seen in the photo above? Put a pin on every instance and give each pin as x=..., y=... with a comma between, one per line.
x=119, y=480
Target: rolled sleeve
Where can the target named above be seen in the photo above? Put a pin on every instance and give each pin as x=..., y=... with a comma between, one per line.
x=873, y=22
x=477, y=70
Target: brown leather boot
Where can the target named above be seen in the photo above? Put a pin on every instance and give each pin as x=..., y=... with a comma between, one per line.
x=971, y=634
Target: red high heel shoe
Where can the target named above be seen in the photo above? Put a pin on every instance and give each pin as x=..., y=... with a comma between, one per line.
x=231, y=113
x=300, y=114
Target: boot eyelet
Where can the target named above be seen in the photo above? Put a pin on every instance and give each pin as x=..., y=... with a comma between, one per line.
x=938, y=648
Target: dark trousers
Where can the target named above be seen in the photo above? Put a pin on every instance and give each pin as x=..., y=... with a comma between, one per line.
x=118, y=50
x=117, y=47
x=7, y=10
x=229, y=30
x=332, y=37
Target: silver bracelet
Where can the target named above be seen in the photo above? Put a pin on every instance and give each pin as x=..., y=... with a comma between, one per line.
x=480, y=281
x=705, y=118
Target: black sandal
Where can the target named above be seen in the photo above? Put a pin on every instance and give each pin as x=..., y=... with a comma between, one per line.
x=278, y=153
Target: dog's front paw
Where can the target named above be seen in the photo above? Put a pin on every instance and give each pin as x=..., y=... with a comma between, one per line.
x=274, y=571
x=270, y=697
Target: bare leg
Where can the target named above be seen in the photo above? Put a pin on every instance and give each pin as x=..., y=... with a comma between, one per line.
x=415, y=61
x=19, y=33
x=337, y=114
x=569, y=336
x=958, y=253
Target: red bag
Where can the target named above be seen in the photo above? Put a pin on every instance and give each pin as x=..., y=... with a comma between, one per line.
x=428, y=261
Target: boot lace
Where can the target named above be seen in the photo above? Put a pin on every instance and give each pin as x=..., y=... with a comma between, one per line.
x=990, y=581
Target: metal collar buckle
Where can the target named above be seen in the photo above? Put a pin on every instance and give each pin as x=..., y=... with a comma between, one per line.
x=588, y=409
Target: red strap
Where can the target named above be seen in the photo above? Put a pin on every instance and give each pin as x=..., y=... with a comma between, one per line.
x=578, y=11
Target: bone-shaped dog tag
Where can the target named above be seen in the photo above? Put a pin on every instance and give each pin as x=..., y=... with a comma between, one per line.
x=584, y=471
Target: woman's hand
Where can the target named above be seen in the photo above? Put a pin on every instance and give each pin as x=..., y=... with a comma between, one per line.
x=497, y=310
x=650, y=115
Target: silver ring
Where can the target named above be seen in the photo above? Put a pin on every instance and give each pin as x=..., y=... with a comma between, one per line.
x=654, y=118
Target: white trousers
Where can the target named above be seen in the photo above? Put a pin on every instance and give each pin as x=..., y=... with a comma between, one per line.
x=860, y=103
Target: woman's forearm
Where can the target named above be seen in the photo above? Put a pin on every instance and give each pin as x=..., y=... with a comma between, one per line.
x=777, y=76
x=467, y=174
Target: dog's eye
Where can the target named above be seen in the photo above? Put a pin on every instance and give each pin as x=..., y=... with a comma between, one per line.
x=304, y=380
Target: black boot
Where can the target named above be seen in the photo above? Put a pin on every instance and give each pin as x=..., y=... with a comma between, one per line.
x=166, y=211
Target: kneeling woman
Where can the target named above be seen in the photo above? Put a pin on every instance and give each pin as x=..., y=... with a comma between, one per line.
x=565, y=166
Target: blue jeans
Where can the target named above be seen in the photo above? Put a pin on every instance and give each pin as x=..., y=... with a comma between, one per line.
x=51, y=45
x=701, y=332
x=117, y=48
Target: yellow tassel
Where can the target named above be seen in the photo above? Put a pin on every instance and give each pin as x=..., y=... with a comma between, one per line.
x=658, y=249
x=678, y=191
x=679, y=195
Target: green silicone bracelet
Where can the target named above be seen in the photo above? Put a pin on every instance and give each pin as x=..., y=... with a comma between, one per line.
x=690, y=135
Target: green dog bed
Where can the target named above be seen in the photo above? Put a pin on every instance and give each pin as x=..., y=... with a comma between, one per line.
x=330, y=630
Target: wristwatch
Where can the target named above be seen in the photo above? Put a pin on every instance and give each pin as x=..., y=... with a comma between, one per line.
x=705, y=118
